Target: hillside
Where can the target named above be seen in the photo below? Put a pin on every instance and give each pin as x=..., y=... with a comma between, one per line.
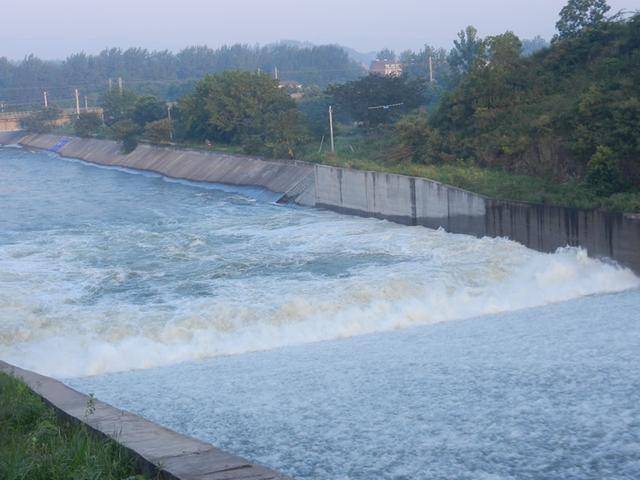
x=571, y=111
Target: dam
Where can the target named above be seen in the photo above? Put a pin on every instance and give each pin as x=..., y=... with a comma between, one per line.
x=399, y=198
x=319, y=344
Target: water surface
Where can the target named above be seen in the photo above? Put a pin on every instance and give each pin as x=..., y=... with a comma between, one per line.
x=440, y=355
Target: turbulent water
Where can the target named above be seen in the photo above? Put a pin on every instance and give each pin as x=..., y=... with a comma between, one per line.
x=105, y=271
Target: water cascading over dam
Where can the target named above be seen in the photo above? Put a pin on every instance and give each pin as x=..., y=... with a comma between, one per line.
x=146, y=281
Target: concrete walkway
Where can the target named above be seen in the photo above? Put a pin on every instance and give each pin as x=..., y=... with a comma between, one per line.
x=156, y=449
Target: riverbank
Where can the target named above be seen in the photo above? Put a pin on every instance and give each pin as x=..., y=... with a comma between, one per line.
x=38, y=445
x=90, y=441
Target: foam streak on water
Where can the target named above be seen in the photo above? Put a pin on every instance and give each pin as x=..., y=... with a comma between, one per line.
x=104, y=271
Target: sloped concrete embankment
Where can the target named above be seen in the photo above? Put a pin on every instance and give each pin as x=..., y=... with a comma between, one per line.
x=294, y=180
x=158, y=451
x=419, y=201
x=10, y=138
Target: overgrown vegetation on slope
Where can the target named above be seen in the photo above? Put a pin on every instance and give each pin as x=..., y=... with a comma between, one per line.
x=36, y=445
x=555, y=114
x=381, y=151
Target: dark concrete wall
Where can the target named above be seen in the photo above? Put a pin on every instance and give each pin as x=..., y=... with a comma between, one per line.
x=419, y=201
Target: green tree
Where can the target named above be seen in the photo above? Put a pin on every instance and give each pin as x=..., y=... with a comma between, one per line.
x=285, y=133
x=315, y=109
x=232, y=105
x=148, y=109
x=603, y=174
x=418, y=139
x=580, y=14
x=504, y=50
x=158, y=131
x=117, y=106
x=467, y=50
x=547, y=114
x=87, y=124
x=126, y=131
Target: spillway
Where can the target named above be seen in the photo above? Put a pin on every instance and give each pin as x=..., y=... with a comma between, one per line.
x=354, y=339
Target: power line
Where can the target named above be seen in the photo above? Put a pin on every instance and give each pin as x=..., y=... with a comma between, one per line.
x=386, y=107
x=104, y=83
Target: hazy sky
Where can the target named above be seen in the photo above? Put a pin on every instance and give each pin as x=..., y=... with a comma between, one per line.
x=55, y=28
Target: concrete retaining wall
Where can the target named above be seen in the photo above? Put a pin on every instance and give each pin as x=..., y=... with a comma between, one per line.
x=158, y=451
x=280, y=177
x=419, y=201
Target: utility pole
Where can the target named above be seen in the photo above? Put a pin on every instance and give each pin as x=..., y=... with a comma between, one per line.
x=275, y=71
x=333, y=147
x=120, y=84
x=110, y=84
x=46, y=100
x=430, y=69
x=86, y=104
x=77, y=103
x=170, y=126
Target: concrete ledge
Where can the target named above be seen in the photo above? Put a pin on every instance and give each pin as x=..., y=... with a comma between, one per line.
x=157, y=451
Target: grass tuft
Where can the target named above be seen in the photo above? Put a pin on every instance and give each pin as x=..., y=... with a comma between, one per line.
x=37, y=445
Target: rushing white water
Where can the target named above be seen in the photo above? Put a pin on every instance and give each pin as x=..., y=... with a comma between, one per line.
x=104, y=271
x=550, y=392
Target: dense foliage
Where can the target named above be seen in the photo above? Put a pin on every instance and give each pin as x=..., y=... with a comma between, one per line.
x=378, y=99
x=549, y=114
x=243, y=108
x=87, y=124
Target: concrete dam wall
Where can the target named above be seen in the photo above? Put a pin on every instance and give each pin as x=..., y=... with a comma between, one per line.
x=419, y=201
x=399, y=198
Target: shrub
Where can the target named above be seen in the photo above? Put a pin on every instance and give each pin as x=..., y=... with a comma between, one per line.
x=603, y=174
x=87, y=124
x=418, y=138
x=158, y=131
x=126, y=132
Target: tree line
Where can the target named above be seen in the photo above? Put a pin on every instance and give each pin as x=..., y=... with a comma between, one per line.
x=168, y=75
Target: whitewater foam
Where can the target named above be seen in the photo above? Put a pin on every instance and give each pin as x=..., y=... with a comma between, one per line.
x=129, y=272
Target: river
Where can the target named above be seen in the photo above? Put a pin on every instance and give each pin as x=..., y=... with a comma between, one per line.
x=323, y=345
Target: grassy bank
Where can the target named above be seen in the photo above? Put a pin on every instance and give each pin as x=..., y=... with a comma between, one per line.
x=379, y=153
x=36, y=445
